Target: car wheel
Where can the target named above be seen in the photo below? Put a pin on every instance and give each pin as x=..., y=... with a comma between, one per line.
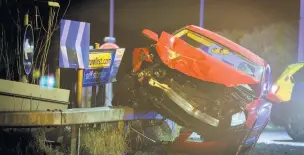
x=295, y=127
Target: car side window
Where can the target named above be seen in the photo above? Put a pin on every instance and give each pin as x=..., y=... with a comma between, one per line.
x=298, y=77
x=267, y=80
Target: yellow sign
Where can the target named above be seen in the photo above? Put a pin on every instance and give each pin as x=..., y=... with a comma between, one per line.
x=100, y=60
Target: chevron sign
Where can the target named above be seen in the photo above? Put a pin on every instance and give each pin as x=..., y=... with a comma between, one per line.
x=74, y=44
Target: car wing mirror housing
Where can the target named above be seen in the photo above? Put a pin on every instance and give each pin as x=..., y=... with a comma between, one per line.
x=150, y=34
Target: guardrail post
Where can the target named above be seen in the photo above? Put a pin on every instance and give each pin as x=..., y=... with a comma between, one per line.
x=75, y=137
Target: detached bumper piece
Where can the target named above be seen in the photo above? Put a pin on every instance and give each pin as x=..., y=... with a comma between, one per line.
x=184, y=104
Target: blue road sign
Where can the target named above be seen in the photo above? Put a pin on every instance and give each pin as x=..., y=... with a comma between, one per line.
x=28, y=49
x=74, y=44
x=104, y=65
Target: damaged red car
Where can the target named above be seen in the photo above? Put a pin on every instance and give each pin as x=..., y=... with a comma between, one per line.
x=204, y=82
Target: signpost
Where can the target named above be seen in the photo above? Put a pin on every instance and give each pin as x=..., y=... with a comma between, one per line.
x=109, y=44
x=74, y=53
x=104, y=64
x=94, y=68
x=28, y=49
x=202, y=10
x=301, y=33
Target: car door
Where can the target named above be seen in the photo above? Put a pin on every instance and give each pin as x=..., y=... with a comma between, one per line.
x=264, y=109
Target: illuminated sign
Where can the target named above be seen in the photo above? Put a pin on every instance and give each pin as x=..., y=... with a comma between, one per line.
x=100, y=60
x=104, y=64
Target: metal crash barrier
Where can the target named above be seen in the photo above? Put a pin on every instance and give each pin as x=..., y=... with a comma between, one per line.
x=72, y=117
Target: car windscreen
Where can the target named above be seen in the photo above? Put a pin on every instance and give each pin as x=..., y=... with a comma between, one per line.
x=221, y=52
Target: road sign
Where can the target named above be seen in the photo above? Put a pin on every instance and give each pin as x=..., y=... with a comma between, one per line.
x=116, y=63
x=105, y=64
x=109, y=44
x=100, y=59
x=74, y=44
x=28, y=49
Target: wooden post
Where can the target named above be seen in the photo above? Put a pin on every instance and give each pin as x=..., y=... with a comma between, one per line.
x=57, y=77
x=79, y=87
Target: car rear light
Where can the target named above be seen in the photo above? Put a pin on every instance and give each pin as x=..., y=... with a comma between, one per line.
x=275, y=89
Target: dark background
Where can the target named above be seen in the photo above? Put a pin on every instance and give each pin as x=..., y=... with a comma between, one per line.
x=131, y=16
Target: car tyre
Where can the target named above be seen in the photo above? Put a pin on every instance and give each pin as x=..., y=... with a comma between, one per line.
x=295, y=127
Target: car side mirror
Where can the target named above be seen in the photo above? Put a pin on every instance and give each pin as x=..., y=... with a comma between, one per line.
x=273, y=98
x=150, y=34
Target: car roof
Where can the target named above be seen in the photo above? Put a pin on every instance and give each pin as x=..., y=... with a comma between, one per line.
x=295, y=64
x=228, y=43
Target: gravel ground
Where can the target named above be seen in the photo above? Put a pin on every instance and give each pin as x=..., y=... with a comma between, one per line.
x=275, y=149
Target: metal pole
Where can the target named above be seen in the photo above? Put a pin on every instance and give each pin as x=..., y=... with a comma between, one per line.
x=111, y=18
x=93, y=97
x=109, y=86
x=301, y=33
x=202, y=9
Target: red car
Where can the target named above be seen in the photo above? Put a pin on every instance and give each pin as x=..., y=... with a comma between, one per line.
x=203, y=82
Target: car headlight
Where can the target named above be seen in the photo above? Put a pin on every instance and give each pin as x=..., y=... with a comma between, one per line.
x=238, y=119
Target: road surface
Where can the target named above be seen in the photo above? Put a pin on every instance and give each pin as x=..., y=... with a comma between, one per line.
x=277, y=143
x=278, y=137
x=270, y=143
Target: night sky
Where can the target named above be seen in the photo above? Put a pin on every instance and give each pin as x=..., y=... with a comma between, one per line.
x=131, y=16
